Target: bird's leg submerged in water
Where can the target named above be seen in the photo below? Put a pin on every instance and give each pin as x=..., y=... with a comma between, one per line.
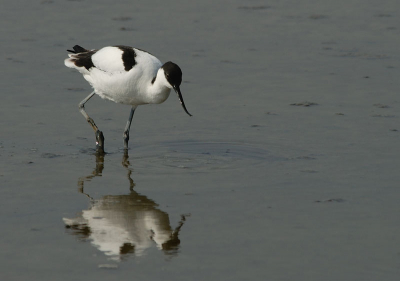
x=98, y=133
x=127, y=127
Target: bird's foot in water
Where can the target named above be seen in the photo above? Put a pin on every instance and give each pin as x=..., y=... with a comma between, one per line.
x=126, y=139
x=99, y=141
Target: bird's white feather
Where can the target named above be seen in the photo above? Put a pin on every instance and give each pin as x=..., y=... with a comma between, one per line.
x=111, y=81
x=108, y=59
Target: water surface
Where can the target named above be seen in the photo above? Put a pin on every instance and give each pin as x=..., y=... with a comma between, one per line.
x=288, y=169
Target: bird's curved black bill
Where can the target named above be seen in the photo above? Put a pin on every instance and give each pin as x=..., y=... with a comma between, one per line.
x=178, y=91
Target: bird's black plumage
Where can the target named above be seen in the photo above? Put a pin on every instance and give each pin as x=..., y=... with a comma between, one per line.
x=173, y=73
x=77, y=49
x=128, y=57
x=82, y=57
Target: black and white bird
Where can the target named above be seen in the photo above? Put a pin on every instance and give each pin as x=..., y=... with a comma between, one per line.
x=125, y=75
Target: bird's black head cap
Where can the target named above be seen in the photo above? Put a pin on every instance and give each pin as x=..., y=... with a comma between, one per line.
x=173, y=73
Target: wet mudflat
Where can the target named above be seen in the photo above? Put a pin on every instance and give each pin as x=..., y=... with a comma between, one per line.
x=288, y=169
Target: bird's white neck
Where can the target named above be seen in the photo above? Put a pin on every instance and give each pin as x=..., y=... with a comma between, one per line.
x=160, y=88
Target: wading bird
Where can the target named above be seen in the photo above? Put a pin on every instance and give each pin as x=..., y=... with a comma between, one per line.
x=125, y=75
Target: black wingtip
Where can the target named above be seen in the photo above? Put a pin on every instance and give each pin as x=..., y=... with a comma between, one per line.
x=77, y=49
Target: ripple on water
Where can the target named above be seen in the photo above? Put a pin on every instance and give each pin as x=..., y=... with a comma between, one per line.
x=201, y=156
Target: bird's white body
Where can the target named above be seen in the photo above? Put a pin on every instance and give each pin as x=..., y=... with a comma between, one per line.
x=111, y=81
x=125, y=75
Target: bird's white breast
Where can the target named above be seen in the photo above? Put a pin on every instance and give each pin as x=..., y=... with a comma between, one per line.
x=111, y=81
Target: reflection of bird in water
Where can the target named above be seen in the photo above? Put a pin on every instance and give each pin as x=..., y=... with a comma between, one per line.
x=124, y=224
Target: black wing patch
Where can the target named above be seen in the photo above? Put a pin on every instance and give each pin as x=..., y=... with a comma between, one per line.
x=82, y=57
x=128, y=57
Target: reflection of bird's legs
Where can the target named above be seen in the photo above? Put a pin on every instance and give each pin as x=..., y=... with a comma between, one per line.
x=96, y=173
x=127, y=164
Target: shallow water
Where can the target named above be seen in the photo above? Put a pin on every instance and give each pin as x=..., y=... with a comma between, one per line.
x=286, y=171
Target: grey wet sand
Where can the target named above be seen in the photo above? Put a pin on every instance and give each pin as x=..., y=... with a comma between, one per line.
x=288, y=169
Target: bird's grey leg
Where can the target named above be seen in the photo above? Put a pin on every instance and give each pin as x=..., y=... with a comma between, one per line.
x=98, y=133
x=127, y=127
